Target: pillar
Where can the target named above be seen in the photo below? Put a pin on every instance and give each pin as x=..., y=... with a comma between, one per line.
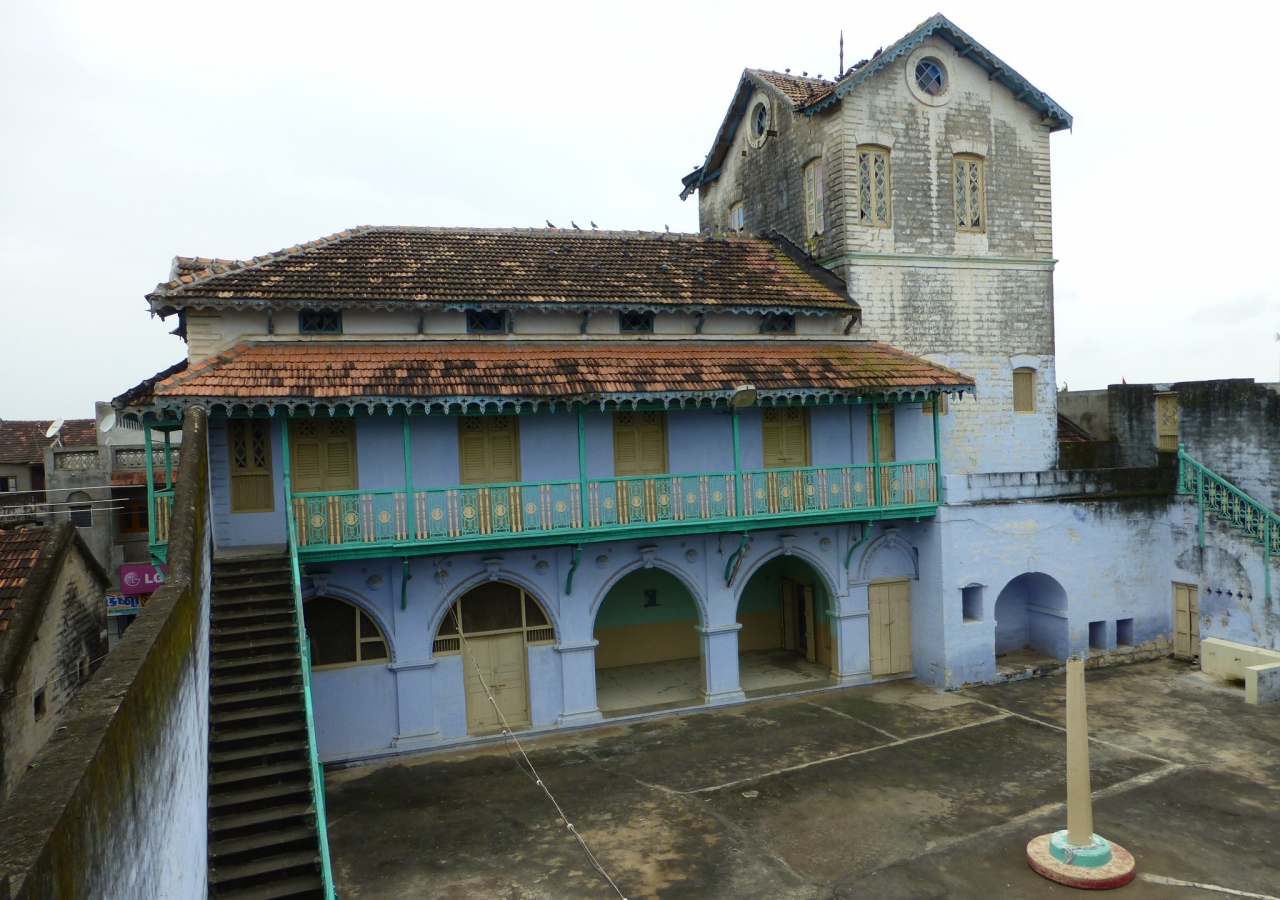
x=578, y=675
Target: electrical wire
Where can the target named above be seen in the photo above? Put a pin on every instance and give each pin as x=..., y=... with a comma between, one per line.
x=530, y=772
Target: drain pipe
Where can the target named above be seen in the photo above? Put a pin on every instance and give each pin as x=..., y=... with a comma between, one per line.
x=577, y=558
x=866, y=530
x=404, y=583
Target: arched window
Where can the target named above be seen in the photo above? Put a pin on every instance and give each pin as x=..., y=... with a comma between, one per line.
x=342, y=634
x=494, y=607
x=79, y=509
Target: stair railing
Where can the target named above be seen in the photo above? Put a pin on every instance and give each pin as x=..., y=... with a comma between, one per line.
x=1232, y=505
x=304, y=651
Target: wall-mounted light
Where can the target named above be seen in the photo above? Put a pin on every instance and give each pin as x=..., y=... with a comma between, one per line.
x=743, y=395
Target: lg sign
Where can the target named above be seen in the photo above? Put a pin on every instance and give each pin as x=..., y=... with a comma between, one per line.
x=140, y=578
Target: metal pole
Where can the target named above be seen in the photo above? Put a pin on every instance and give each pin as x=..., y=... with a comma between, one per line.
x=288, y=483
x=410, y=519
x=168, y=461
x=737, y=461
x=151, y=488
x=1079, y=798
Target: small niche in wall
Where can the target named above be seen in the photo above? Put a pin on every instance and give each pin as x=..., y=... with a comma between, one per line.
x=1097, y=635
x=971, y=602
x=1124, y=632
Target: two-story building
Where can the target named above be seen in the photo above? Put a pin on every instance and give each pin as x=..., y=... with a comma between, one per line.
x=605, y=473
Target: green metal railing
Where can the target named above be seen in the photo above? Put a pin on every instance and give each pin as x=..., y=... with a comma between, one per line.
x=1232, y=505
x=304, y=651
x=603, y=507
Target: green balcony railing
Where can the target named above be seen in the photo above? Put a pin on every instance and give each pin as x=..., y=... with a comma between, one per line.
x=478, y=514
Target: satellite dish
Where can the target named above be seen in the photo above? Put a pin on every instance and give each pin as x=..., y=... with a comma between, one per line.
x=54, y=428
x=108, y=422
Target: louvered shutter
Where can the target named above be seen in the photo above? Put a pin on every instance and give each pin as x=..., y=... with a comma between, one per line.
x=339, y=457
x=488, y=450
x=639, y=443
x=308, y=473
x=795, y=437
x=504, y=450
x=626, y=440
x=888, y=441
x=473, y=450
x=771, y=437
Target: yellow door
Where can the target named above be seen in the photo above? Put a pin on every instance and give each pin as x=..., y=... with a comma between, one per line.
x=785, y=436
x=810, y=625
x=639, y=443
x=323, y=454
x=500, y=661
x=887, y=440
x=1186, y=618
x=1167, y=421
x=889, y=605
x=488, y=450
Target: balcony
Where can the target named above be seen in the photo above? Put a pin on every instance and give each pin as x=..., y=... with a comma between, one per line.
x=346, y=524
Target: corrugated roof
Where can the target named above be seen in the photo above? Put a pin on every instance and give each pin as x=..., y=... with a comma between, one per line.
x=468, y=267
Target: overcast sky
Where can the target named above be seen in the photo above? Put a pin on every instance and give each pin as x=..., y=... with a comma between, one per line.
x=131, y=132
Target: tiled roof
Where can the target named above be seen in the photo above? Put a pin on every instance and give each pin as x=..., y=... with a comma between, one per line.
x=143, y=393
x=456, y=267
x=800, y=90
x=449, y=372
x=22, y=441
x=1071, y=433
x=19, y=550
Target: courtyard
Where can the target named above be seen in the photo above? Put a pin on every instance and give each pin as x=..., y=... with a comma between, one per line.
x=890, y=790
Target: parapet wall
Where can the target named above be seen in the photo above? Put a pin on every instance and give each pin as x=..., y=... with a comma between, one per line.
x=115, y=805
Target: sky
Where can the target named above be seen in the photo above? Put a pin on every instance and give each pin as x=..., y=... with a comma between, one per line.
x=131, y=132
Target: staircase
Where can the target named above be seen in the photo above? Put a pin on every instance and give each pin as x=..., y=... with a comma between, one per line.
x=263, y=841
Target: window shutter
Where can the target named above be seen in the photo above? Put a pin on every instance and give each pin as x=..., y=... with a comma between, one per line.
x=308, y=474
x=785, y=434
x=810, y=203
x=473, y=450
x=504, y=463
x=771, y=437
x=653, y=443
x=639, y=443
x=249, y=448
x=488, y=450
x=888, y=441
x=1024, y=390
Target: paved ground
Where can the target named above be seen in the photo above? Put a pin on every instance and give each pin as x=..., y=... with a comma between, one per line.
x=886, y=791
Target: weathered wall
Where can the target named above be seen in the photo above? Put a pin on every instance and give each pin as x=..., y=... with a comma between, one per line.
x=67, y=647
x=117, y=804
x=1233, y=427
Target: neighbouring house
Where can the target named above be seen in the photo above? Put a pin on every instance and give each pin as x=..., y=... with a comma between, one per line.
x=24, y=466
x=602, y=473
x=52, y=636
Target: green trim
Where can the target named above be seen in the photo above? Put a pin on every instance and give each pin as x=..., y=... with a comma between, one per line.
x=577, y=558
x=408, y=472
x=731, y=567
x=866, y=532
x=151, y=489
x=937, y=448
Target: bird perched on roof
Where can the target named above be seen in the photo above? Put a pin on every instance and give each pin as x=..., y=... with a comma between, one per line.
x=575, y=225
x=594, y=225
x=549, y=225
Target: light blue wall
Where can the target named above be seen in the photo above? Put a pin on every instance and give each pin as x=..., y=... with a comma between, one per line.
x=380, y=453
x=830, y=440
x=354, y=708
x=549, y=447
x=699, y=440
x=243, y=529
x=434, y=450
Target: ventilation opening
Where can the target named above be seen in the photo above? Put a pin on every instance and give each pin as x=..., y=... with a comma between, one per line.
x=1124, y=632
x=1097, y=635
x=971, y=601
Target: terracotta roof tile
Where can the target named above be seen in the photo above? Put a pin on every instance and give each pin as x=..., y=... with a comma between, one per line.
x=800, y=90
x=349, y=371
x=1071, y=433
x=22, y=441
x=19, y=551
x=461, y=266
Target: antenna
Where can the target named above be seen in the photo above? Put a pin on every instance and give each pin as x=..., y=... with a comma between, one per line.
x=840, y=71
x=108, y=422
x=53, y=429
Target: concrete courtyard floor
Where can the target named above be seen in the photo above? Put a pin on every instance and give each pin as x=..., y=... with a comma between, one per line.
x=884, y=791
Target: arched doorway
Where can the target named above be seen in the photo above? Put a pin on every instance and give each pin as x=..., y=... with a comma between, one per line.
x=499, y=621
x=649, y=653
x=785, y=641
x=1031, y=622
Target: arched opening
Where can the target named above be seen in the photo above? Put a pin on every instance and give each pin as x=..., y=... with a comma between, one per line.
x=497, y=621
x=80, y=509
x=341, y=634
x=1031, y=623
x=785, y=642
x=649, y=654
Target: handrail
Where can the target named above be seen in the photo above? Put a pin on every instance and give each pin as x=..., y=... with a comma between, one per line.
x=304, y=652
x=1230, y=504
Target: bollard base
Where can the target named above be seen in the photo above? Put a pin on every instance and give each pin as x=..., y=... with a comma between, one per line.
x=1116, y=873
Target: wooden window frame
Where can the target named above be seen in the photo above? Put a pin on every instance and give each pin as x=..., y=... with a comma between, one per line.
x=361, y=640
x=450, y=643
x=296, y=440
x=778, y=323
x=814, y=199
x=884, y=411
x=662, y=424
x=944, y=407
x=963, y=167
x=870, y=195
x=635, y=321
x=514, y=423
x=1166, y=440
x=808, y=437
x=1025, y=372
x=737, y=217
x=245, y=429
x=477, y=321
x=320, y=321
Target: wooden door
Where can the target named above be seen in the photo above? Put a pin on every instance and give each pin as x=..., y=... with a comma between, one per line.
x=639, y=443
x=1167, y=421
x=1186, y=620
x=789, y=615
x=887, y=439
x=785, y=436
x=810, y=625
x=323, y=454
x=500, y=661
x=889, y=605
x=488, y=450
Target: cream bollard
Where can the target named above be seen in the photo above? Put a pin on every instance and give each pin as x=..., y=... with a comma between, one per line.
x=1076, y=856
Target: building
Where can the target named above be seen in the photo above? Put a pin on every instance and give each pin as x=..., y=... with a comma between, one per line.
x=52, y=636
x=25, y=465
x=606, y=473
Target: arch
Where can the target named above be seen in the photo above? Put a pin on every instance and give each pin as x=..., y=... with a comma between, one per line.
x=888, y=543
x=359, y=642
x=80, y=509
x=1031, y=614
x=828, y=579
x=785, y=638
x=704, y=614
x=357, y=599
x=451, y=597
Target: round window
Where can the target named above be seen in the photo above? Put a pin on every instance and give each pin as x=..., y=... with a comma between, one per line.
x=759, y=120
x=929, y=77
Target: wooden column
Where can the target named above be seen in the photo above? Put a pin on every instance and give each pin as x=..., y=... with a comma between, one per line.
x=1079, y=799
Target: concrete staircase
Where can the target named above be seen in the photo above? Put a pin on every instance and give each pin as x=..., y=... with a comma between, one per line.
x=262, y=833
